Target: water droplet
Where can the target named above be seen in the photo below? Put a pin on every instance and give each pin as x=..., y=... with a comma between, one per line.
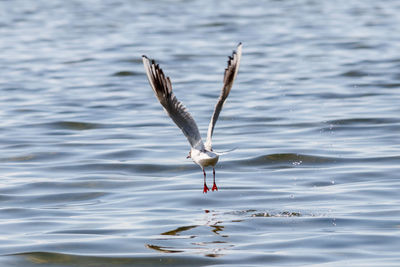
x=297, y=163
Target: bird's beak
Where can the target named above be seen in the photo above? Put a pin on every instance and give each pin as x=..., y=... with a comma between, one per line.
x=188, y=156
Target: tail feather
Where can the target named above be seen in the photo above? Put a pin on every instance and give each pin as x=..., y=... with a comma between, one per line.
x=226, y=151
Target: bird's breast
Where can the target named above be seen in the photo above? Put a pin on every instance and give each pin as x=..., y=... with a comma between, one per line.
x=205, y=159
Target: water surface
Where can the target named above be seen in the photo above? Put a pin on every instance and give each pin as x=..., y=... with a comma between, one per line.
x=93, y=173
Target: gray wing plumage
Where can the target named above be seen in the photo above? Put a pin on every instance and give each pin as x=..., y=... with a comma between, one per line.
x=162, y=88
x=229, y=77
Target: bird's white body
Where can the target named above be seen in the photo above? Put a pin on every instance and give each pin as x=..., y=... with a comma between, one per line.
x=204, y=158
x=201, y=153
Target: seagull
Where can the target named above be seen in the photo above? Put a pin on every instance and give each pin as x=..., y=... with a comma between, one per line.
x=201, y=153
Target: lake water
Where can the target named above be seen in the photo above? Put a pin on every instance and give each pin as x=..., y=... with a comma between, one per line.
x=94, y=173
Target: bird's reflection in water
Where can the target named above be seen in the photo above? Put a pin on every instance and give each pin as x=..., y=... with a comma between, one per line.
x=217, y=229
x=164, y=249
x=178, y=230
x=208, y=237
x=212, y=243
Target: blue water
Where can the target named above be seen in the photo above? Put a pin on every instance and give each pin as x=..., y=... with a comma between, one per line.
x=94, y=173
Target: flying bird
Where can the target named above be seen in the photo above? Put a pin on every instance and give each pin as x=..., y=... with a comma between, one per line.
x=201, y=153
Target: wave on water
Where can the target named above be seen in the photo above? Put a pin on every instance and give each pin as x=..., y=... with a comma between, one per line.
x=285, y=160
x=293, y=160
x=30, y=259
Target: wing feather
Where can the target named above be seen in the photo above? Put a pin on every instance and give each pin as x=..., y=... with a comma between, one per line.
x=162, y=88
x=229, y=77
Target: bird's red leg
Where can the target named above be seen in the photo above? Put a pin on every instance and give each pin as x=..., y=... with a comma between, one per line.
x=214, y=185
x=205, y=185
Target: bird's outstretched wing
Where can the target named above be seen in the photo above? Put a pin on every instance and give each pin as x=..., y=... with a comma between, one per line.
x=229, y=76
x=162, y=87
